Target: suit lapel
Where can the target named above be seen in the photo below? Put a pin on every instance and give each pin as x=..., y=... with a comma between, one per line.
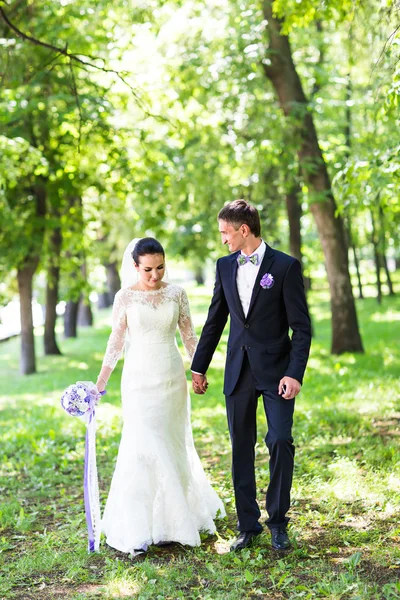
x=234, y=285
x=264, y=268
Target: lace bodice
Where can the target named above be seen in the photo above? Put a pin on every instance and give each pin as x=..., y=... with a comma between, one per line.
x=149, y=317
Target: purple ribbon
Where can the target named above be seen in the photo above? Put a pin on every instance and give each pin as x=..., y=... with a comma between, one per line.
x=90, y=482
x=88, y=512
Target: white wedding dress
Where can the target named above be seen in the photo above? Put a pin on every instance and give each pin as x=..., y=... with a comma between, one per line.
x=159, y=491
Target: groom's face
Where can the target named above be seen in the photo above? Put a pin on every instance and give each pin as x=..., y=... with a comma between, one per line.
x=231, y=237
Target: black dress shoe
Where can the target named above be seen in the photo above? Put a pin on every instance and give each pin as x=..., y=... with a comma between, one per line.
x=280, y=539
x=244, y=540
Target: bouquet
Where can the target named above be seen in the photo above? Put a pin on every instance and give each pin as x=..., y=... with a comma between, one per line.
x=80, y=400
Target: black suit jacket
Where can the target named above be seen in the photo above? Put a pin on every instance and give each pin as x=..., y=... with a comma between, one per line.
x=264, y=333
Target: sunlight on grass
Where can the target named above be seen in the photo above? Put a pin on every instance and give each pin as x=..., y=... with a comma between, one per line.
x=121, y=588
x=393, y=482
x=108, y=416
x=387, y=317
x=348, y=483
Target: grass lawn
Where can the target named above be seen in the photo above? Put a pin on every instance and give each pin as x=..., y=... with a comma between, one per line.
x=345, y=524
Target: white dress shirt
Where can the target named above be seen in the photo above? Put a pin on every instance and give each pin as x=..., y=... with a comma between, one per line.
x=245, y=280
x=246, y=277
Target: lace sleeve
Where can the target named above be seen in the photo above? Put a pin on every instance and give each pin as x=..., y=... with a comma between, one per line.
x=185, y=325
x=116, y=340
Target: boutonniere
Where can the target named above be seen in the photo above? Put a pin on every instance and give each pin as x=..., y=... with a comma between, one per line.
x=267, y=281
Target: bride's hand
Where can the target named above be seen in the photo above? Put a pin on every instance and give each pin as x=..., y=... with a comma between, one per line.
x=100, y=385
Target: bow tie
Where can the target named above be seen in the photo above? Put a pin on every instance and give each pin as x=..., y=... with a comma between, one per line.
x=243, y=259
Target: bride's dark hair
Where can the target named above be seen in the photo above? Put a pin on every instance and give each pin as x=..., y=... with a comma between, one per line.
x=147, y=245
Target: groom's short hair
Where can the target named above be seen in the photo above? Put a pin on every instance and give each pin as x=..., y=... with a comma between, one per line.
x=240, y=212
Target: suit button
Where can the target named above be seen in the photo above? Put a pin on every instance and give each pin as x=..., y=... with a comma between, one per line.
x=247, y=326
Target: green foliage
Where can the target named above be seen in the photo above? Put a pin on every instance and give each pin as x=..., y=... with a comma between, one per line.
x=61, y=111
x=18, y=159
x=193, y=123
x=302, y=14
x=370, y=187
x=161, y=112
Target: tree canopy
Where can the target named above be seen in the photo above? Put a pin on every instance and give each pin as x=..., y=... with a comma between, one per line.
x=132, y=120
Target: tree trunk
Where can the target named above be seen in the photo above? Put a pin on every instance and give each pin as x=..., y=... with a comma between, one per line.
x=388, y=278
x=106, y=298
x=85, y=315
x=347, y=118
x=294, y=213
x=355, y=257
x=113, y=280
x=357, y=265
x=347, y=135
x=293, y=208
x=70, y=319
x=25, y=273
x=103, y=300
x=383, y=252
x=53, y=278
x=321, y=58
x=27, y=359
x=374, y=239
x=281, y=70
x=199, y=274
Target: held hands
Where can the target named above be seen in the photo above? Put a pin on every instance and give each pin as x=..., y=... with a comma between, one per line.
x=289, y=388
x=199, y=383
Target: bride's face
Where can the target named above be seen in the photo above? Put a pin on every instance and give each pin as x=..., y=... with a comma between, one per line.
x=151, y=269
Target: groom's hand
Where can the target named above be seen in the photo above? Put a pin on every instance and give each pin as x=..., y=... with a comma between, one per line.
x=199, y=383
x=289, y=387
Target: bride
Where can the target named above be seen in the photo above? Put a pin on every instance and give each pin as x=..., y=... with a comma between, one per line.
x=159, y=491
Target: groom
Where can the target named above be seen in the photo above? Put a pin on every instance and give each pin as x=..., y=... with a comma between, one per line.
x=262, y=291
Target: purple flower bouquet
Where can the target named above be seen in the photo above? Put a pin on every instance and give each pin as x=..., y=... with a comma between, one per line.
x=80, y=400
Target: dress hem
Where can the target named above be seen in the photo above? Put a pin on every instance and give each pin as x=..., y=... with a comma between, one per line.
x=135, y=547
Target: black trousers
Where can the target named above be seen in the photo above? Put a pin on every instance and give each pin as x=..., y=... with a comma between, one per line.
x=241, y=408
